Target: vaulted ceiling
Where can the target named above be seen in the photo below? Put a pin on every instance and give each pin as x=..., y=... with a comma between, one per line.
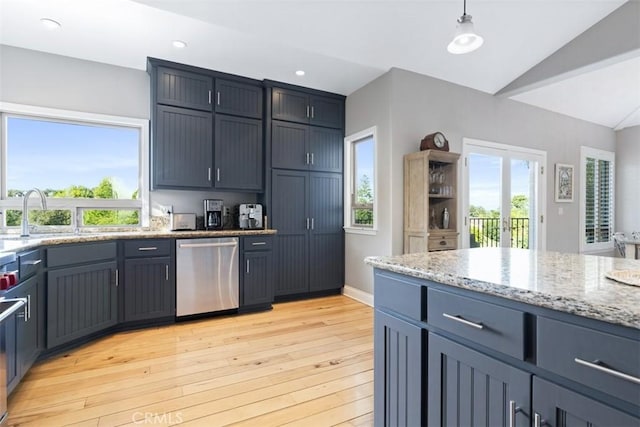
x=576, y=57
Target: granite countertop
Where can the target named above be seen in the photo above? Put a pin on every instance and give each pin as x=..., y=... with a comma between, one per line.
x=570, y=283
x=15, y=243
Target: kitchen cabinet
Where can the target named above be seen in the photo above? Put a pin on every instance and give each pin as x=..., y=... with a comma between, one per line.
x=239, y=99
x=257, y=273
x=307, y=209
x=82, y=284
x=149, y=280
x=301, y=107
x=303, y=147
x=182, y=148
x=183, y=89
x=430, y=188
x=239, y=160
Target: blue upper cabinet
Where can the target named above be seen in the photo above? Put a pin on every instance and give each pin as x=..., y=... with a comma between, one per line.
x=238, y=99
x=300, y=107
x=184, y=89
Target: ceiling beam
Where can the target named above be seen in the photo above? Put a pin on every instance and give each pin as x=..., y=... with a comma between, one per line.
x=613, y=39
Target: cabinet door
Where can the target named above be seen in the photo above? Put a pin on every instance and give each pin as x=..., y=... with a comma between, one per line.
x=149, y=288
x=399, y=393
x=289, y=145
x=28, y=340
x=465, y=387
x=290, y=105
x=239, y=99
x=183, y=89
x=10, y=333
x=327, y=112
x=289, y=215
x=238, y=153
x=257, y=279
x=560, y=407
x=182, y=148
x=326, y=148
x=326, y=240
x=80, y=301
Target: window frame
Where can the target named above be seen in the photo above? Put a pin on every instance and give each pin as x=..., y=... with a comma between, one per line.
x=349, y=182
x=77, y=206
x=598, y=154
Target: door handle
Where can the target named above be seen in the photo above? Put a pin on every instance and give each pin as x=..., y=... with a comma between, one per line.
x=166, y=272
x=538, y=421
x=307, y=223
x=206, y=245
x=313, y=224
x=513, y=410
x=311, y=158
x=218, y=96
x=247, y=266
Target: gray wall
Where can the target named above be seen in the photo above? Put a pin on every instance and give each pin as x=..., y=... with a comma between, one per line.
x=628, y=179
x=45, y=80
x=409, y=106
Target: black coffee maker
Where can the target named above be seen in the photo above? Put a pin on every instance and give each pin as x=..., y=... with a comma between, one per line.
x=213, y=214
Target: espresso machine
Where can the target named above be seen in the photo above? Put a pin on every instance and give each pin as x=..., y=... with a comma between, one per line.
x=213, y=214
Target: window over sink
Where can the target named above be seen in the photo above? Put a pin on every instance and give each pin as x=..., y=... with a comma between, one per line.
x=91, y=168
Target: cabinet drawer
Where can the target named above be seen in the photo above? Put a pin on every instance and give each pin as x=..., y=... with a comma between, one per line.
x=440, y=243
x=490, y=325
x=82, y=253
x=147, y=248
x=30, y=262
x=258, y=243
x=580, y=353
x=399, y=295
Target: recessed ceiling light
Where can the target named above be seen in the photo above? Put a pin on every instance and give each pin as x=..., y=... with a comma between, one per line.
x=179, y=44
x=50, y=24
x=300, y=73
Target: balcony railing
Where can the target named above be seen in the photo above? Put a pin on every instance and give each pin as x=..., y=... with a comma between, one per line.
x=485, y=232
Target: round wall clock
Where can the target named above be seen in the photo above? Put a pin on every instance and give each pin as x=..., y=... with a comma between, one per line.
x=434, y=141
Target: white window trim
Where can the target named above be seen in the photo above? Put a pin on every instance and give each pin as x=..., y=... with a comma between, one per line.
x=348, y=182
x=600, y=155
x=35, y=112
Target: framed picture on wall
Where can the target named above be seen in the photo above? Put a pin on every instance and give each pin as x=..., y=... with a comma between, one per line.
x=564, y=183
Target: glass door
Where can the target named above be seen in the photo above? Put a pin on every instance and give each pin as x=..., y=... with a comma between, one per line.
x=502, y=206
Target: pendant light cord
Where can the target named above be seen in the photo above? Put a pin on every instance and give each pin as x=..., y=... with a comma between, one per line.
x=464, y=8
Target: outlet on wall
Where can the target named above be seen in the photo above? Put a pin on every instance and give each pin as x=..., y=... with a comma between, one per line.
x=166, y=209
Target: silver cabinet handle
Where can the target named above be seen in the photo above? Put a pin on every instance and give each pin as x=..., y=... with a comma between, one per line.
x=597, y=366
x=117, y=278
x=307, y=111
x=313, y=223
x=307, y=223
x=312, y=112
x=311, y=158
x=307, y=159
x=218, y=96
x=538, y=421
x=148, y=248
x=463, y=321
x=166, y=272
x=258, y=243
x=209, y=174
x=34, y=262
x=28, y=309
x=513, y=410
x=247, y=266
x=209, y=97
x=218, y=174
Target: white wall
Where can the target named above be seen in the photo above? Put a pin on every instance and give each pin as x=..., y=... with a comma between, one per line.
x=628, y=179
x=417, y=105
x=46, y=80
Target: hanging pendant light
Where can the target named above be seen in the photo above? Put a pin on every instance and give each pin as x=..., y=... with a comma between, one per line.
x=465, y=40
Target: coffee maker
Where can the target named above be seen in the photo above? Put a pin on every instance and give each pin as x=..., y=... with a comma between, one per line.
x=213, y=214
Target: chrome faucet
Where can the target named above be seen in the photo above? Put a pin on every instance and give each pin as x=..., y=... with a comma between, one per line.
x=25, y=209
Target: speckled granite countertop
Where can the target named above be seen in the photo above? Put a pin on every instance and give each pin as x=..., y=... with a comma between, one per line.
x=15, y=243
x=570, y=283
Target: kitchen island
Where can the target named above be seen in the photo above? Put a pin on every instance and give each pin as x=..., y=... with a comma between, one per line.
x=512, y=337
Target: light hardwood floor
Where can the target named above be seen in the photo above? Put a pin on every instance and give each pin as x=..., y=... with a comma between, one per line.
x=305, y=363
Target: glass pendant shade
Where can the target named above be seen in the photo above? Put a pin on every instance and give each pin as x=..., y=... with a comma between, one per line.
x=465, y=40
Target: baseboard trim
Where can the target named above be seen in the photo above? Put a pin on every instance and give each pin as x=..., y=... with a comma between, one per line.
x=358, y=295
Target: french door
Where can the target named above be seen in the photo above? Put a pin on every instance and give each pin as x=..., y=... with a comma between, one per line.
x=503, y=196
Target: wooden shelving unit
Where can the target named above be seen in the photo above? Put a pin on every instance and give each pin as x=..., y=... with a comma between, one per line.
x=430, y=187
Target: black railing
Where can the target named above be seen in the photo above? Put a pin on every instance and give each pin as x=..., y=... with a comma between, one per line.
x=485, y=232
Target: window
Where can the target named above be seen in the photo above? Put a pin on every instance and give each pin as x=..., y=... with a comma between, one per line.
x=597, y=209
x=89, y=166
x=360, y=194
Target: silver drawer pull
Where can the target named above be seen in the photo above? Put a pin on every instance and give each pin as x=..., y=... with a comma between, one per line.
x=258, y=243
x=538, y=421
x=513, y=410
x=149, y=248
x=596, y=365
x=33, y=262
x=463, y=321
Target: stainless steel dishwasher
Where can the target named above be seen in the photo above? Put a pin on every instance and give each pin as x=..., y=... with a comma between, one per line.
x=207, y=277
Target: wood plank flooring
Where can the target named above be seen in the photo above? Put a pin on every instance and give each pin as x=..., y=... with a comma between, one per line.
x=305, y=363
